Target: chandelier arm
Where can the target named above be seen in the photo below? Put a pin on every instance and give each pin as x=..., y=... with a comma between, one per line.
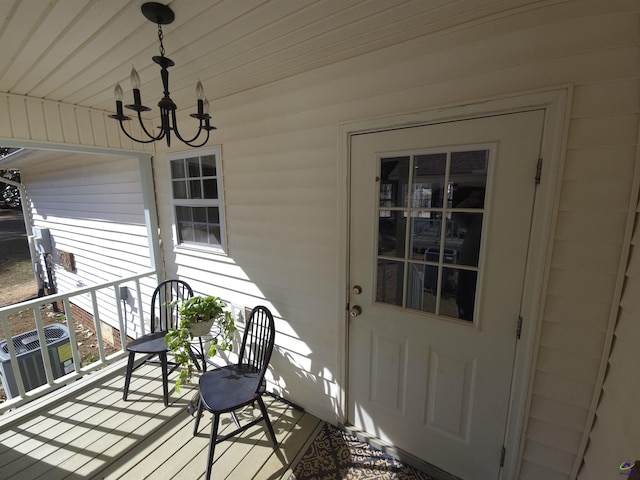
x=206, y=139
x=175, y=129
x=131, y=137
x=153, y=138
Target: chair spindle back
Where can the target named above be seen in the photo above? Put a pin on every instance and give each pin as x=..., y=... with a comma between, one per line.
x=258, y=339
x=163, y=315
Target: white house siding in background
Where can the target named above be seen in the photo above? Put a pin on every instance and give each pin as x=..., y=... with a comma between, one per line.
x=94, y=209
x=284, y=218
x=279, y=149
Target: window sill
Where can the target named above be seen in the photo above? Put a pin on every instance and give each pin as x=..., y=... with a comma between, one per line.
x=200, y=251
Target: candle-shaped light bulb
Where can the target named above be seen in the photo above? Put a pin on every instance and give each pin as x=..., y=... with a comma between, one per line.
x=199, y=90
x=206, y=107
x=118, y=92
x=135, y=79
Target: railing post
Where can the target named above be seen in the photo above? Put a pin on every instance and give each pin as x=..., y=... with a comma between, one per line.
x=96, y=323
x=123, y=327
x=73, y=339
x=12, y=353
x=44, y=351
x=140, y=310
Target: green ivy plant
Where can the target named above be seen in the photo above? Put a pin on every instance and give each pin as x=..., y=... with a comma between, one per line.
x=197, y=310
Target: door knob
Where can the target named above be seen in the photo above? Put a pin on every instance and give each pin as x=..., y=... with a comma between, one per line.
x=355, y=311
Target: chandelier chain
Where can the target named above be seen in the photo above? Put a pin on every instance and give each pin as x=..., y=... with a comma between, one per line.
x=160, y=37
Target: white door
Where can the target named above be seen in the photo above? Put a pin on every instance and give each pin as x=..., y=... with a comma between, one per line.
x=440, y=223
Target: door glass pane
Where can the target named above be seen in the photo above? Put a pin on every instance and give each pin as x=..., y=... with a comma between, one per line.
x=390, y=280
x=428, y=180
x=459, y=293
x=469, y=173
x=466, y=233
x=453, y=233
x=448, y=288
x=421, y=287
x=391, y=233
x=394, y=179
x=425, y=232
x=446, y=211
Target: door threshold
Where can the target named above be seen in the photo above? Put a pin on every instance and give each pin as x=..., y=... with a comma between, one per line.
x=403, y=456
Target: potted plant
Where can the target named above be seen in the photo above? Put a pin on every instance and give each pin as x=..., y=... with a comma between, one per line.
x=198, y=315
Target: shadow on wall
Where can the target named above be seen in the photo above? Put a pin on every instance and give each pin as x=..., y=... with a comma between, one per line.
x=300, y=371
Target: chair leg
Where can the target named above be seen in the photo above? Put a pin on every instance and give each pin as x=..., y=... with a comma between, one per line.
x=165, y=378
x=263, y=409
x=204, y=355
x=235, y=419
x=198, y=415
x=127, y=378
x=212, y=444
x=194, y=357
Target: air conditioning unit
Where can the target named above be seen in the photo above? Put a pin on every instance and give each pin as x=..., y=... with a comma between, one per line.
x=28, y=352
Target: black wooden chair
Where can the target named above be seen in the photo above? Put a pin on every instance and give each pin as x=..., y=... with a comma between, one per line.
x=163, y=317
x=226, y=389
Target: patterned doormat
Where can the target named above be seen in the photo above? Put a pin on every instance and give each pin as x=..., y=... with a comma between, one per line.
x=337, y=455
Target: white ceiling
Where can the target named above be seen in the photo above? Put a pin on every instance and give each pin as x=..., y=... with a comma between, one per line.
x=75, y=51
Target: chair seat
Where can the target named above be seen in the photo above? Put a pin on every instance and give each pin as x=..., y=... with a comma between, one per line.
x=228, y=388
x=149, y=343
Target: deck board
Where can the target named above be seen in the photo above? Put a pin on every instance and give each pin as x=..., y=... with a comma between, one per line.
x=291, y=448
x=96, y=434
x=251, y=451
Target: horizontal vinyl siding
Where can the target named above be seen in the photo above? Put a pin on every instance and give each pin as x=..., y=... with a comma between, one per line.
x=615, y=437
x=281, y=223
x=279, y=149
x=95, y=211
x=596, y=191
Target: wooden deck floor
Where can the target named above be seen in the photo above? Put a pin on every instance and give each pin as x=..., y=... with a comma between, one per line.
x=96, y=434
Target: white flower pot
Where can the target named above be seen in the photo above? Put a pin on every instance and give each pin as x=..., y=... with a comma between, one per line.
x=201, y=329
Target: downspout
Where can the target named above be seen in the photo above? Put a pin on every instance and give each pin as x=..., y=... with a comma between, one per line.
x=156, y=256
x=35, y=258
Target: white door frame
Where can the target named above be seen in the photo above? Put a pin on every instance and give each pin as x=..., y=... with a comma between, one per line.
x=555, y=102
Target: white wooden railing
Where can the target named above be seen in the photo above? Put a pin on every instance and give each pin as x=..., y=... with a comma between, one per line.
x=66, y=298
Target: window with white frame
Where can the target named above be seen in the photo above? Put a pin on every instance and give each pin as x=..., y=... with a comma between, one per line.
x=196, y=181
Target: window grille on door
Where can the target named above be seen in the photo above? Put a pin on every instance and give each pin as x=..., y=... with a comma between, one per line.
x=430, y=214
